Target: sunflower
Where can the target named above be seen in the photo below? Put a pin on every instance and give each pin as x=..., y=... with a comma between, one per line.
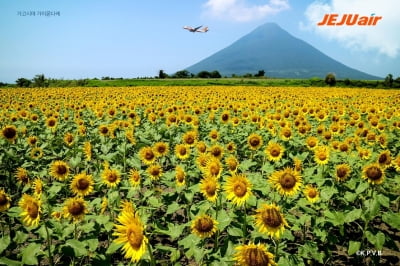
x=201, y=161
x=321, y=155
x=231, y=147
x=373, y=173
x=147, y=155
x=82, y=184
x=254, y=141
x=22, y=176
x=286, y=133
x=201, y=147
x=342, y=172
x=225, y=117
x=104, y=205
x=214, y=135
x=216, y=151
x=298, y=164
x=130, y=233
x=36, y=153
x=160, y=149
x=75, y=208
x=311, y=142
x=5, y=201
x=232, y=163
x=311, y=193
x=37, y=187
x=190, y=138
x=51, y=122
x=384, y=159
x=179, y=176
x=59, y=170
x=182, y=151
x=209, y=187
x=274, y=151
x=286, y=181
x=270, y=220
x=155, y=171
x=32, y=140
x=204, y=226
x=237, y=189
x=213, y=167
x=111, y=177
x=252, y=254
x=9, y=132
x=31, y=210
x=104, y=130
x=87, y=150
x=134, y=177
x=364, y=153
x=68, y=139
x=396, y=163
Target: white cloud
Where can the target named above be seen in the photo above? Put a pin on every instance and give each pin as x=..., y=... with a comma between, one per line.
x=383, y=37
x=241, y=10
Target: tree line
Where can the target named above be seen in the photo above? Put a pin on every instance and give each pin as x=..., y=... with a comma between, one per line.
x=40, y=81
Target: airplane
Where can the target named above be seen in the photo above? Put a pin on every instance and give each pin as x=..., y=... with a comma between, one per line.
x=197, y=29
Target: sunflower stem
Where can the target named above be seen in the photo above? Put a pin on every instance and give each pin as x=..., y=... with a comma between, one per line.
x=152, y=260
x=49, y=245
x=244, y=223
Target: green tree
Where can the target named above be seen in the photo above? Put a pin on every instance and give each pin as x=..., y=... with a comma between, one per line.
x=261, y=73
x=330, y=79
x=389, y=81
x=162, y=74
x=23, y=82
x=215, y=74
x=204, y=74
x=182, y=74
x=40, y=81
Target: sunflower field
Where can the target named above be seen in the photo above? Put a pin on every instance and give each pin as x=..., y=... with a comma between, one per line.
x=217, y=175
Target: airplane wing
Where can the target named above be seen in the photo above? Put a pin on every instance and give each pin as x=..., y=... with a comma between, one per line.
x=188, y=28
x=195, y=29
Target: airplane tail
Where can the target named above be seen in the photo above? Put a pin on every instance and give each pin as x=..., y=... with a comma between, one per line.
x=205, y=29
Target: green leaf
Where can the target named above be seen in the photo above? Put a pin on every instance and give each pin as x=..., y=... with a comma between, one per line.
x=154, y=202
x=87, y=228
x=354, y=246
x=362, y=187
x=189, y=241
x=383, y=200
x=234, y=231
x=173, y=207
x=246, y=164
x=8, y=262
x=78, y=247
x=349, y=196
x=327, y=193
x=14, y=212
x=336, y=218
x=92, y=244
x=102, y=219
x=20, y=237
x=392, y=219
x=112, y=248
x=4, y=242
x=53, y=190
x=353, y=215
x=223, y=220
x=175, y=230
x=29, y=254
x=74, y=162
x=380, y=240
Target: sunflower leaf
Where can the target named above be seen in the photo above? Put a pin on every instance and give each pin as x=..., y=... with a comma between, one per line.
x=246, y=164
x=4, y=243
x=353, y=215
x=112, y=248
x=354, y=246
x=392, y=219
x=223, y=219
x=78, y=247
x=29, y=254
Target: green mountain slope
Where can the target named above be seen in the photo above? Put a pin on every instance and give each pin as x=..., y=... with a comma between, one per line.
x=279, y=54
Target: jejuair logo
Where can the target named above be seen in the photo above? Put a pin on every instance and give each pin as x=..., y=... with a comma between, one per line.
x=349, y=20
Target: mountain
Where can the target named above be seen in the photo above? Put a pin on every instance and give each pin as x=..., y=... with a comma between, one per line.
x=279, y=54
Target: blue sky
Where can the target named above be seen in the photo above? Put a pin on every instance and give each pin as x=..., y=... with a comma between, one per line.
x=129, y=39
